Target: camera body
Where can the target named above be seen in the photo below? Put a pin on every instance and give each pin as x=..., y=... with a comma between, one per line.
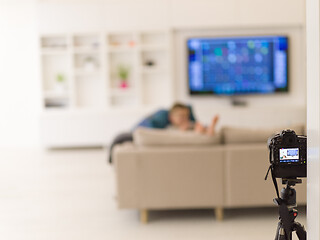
x=288, y=155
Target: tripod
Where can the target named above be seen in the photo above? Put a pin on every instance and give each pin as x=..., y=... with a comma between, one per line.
x=288, y=213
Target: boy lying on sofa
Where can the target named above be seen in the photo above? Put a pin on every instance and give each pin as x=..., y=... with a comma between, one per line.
x=180, y=117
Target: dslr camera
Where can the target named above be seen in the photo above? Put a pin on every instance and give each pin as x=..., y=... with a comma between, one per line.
x=288, y=160
x=288, y=155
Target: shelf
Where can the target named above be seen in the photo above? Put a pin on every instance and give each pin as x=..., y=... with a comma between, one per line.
x=158, y=47
x=86, y=50
x=154, y=47
x=150, y=70
x=50, y=51
x=57, y=103
x=49, y=94
x=124, y=102
x=83, y=72
x=119, y=92
x=116, y=49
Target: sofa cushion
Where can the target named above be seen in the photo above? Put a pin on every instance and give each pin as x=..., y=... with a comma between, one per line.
x=251, y=135
x=170, y=137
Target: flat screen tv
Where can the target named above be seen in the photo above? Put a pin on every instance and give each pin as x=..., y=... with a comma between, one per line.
x=238, y=65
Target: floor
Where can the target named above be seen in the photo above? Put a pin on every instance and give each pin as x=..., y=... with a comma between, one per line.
x=69, y=195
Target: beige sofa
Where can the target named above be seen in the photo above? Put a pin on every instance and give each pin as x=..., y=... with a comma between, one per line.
x=161, y=170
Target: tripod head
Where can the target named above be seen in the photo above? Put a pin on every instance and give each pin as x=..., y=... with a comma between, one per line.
x=288, y=194
x=291, y=181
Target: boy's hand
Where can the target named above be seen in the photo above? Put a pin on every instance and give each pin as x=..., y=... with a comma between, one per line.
x=199, y=128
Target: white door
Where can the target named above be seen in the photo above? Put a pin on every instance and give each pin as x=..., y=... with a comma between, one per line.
x=313, y=124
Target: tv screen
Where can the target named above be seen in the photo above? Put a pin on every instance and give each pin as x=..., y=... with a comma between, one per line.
x=238, y=65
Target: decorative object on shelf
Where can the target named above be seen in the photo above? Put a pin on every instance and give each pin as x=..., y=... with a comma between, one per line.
x=87, y=42
x=132, y=43
x=149, y=63
x=54, y=43
x=95, y=44
x=60, y=83
x=90, y=64
x=114, y=44
x=123, y=73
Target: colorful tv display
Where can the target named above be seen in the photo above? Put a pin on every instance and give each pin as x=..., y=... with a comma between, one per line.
x=238, y=65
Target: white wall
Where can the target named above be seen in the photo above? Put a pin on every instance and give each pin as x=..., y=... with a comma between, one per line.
x=224, y=13
x=102, y=15
x=313, y=116
x=20, y=91
x=19, y=78
x=67, y=15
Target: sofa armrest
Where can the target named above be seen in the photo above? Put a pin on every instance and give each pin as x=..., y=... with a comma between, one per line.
x=246, y=167
x=169, y=177
x=124, y=157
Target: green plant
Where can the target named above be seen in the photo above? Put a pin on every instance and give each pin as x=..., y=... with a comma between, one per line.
x=60, y=78
x=123, y=72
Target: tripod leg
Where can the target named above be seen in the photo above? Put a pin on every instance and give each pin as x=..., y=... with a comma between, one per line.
x=300, y=231
x=280, y=234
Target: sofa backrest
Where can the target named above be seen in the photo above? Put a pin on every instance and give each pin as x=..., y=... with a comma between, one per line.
x=228, y=135
x=236, y=135
x=169, y=137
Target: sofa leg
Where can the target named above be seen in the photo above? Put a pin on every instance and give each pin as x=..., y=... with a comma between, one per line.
x=144, y=216
x=219, y=213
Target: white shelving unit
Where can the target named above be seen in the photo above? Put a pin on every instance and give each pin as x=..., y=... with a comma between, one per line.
x=87, y=65
x=80, y=75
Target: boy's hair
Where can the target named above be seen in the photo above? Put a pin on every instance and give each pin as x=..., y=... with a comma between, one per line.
x=178, y=106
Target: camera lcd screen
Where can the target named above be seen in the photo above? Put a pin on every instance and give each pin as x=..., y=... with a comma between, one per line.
x=288, y=155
